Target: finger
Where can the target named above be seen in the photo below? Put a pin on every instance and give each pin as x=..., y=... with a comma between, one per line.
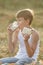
x=26, y=35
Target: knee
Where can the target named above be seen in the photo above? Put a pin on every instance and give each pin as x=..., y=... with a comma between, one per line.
x=19, y=63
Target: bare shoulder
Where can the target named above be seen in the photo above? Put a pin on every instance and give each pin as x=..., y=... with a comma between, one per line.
x=35, y=34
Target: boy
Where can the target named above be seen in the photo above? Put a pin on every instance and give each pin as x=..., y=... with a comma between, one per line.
x=29, y=44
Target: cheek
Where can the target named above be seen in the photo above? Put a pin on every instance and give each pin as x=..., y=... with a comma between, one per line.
x=20, y=23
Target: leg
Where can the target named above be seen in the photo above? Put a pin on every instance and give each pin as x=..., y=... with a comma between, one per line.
x=8, y=60
x=24, y=61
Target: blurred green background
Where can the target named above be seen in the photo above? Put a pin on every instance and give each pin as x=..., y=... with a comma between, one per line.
x=8, y=9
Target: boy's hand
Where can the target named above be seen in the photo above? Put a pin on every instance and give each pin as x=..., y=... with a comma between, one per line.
x=9, y=27
x=26, y=37
x=9, y=30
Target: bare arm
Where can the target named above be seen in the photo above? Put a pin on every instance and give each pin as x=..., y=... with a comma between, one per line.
x=31, y=50
x=12, y=44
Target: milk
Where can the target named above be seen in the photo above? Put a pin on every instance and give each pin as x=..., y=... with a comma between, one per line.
x=27, y=31
x=14, y=26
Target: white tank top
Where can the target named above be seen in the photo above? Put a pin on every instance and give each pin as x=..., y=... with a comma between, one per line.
x=22, y=49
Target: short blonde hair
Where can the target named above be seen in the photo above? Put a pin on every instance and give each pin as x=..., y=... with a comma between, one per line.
x=26, y=14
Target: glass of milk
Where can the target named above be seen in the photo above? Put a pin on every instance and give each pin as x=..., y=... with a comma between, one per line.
x=14, y=25
x=27, y=31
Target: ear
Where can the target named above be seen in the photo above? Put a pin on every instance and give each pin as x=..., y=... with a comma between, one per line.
x=28, y=21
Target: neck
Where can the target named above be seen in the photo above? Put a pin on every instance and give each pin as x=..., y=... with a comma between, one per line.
x=28, y=26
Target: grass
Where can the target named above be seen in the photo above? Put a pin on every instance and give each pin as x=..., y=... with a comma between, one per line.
x=5, y=19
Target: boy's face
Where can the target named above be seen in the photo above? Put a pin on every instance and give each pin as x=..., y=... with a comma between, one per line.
x=22, y=22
